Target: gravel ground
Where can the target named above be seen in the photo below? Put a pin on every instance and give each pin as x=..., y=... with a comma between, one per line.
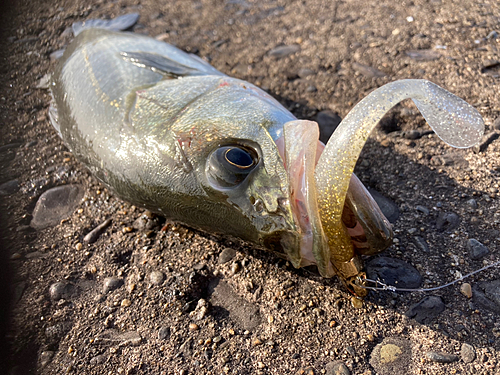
x=146, y=296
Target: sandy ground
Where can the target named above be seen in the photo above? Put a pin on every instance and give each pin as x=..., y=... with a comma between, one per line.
x=169, y=300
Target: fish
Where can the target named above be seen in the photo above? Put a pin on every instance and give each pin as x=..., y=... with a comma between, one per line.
x=168, y=132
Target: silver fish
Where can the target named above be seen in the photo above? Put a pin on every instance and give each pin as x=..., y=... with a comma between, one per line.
x=168, y=132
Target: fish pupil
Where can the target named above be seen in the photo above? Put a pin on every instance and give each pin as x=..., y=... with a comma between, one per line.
x=239, y=157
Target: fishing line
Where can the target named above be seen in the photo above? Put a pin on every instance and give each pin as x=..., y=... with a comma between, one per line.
x=380, y=286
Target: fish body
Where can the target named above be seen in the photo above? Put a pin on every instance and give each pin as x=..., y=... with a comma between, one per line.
x=167, y=131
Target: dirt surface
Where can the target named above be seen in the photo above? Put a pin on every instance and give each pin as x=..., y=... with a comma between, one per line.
x=161, y=299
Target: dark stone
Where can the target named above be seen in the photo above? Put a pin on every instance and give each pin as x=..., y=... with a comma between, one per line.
x=447, y=221
x=489, y=301
x=426, y=310
x=393, y=272
x=147, y=221
x=164, y=333
x=305, y=72
x=421, y=243
x=111, y=283
x=9, y=187
x=55, y=205
x=283, y=51
x=388, y=207
x=62, y=290
x=442, y=357
x=327, y=121
x=496, y=123
x=476, y=249
x=226, y=255
x=94, y=234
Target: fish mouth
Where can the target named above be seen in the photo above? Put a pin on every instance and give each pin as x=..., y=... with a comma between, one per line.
x=366, y=227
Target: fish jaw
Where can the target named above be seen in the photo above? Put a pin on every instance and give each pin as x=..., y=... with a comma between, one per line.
x=365, y=228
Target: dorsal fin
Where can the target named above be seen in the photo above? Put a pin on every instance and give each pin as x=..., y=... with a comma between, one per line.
x=160, y=64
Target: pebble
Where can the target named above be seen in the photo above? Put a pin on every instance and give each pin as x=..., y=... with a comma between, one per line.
x=62, y=290
x=393, y=272
x=422, y=209
x=95, y=233
x=235, y=268
x=55, y=205
x=98, y=359
x=126, y=302
x=356, y=302
x=421, y=244
x=423, y=54
x=305, y=72
x=472, y=203
x=283, y=51
x=441, y=357
x=311, y=88
x=388, y=207
x=111, y=283
x=447, y=221
x=337, y=368
x=56, y=55
x=156, y=277
x=426, y=310
x=193, y=327
x=327, y=121
x=487, y=295
x=367, y=71
x=392, y=356
x=200, y=311
x=466, y=290
x=9, y=187
x=147, y=221
x=496, y=123
x=164, y=333
x=476, y=249
x=226, y=255
x=467, y=353
x=305, y=371
x=256, y=342
x=116, y=24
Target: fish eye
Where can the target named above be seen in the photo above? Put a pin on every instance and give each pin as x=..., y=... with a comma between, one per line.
x=239, y=157
x=228, y=166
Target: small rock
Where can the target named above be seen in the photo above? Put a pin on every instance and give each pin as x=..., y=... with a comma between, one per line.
x=337, y=368
x=496, y=123
x=466, y=290
x=476, y=249
x=164, y=333
x=472, y=203
x=311, y=88
x=126, y=302
x=98, y=360
x=487, y=295
x=235, y=268
x=111, y=283
x=9, y=187
x=94, y=234
x=413, y=134
x=357, y=303
x=56, y=204
x=391, y=356
x=421, y=244
x=426, y=310
x=304, y=72
x=256, y=342
x=422, y=209
x=156, y=277
x=193, y=327
x=327, y=121
x=447, y=221
x=200, y=311
x=367, y=71
x=62, y=290
x=226, y=255
x=441, y=357
x=44, y=82
x=283, y=51
x=388, y=207
x=147, y=221
x=393, y=272
x=468, y=354
x=423, y=55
